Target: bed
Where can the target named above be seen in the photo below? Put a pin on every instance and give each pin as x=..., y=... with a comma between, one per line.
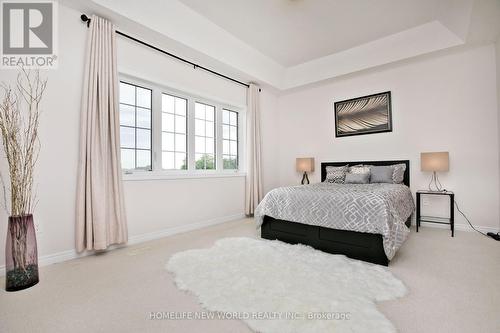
x=311, y=223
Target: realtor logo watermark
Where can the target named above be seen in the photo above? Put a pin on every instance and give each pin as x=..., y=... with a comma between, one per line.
x=29, y=34
x=260, y=315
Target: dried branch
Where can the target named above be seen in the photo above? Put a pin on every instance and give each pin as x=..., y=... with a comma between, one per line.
x=19, y=122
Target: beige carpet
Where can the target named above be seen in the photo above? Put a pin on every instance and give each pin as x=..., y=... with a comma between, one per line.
x=454, y=286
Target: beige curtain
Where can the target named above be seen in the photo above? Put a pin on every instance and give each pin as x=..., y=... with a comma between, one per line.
x=100, y=213
x=254, y=173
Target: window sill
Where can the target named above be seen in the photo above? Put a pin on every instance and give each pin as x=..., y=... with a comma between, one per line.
x=148, y=175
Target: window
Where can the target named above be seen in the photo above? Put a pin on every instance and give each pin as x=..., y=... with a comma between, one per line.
x=204, y=137
x=135, y=127
x=174, y=133
x=229, y=139
x=167, y=133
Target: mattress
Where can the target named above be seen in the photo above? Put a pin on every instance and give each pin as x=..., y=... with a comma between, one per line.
x=371, y=208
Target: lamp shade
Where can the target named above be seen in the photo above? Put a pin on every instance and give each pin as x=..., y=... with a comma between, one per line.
x=435, y=161
x=305, y=164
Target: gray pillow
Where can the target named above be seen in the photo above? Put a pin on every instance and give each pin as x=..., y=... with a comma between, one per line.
x=336, y=174
x=360, y=169
x=357, y=178
x=381, y=174
x=399, y=173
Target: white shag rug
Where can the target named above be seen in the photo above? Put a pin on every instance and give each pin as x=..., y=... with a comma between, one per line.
x=287, y=285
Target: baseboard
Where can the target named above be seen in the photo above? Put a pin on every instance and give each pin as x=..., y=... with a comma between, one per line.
x=461, y=227
x=72, y=254
x=182, y=228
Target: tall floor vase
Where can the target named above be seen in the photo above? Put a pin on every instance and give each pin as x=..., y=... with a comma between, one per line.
x=21, y=255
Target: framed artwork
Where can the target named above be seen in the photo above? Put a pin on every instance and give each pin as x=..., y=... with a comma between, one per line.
x=363, y=115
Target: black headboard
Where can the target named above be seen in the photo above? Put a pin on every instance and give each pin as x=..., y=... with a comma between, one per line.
x=406, y=179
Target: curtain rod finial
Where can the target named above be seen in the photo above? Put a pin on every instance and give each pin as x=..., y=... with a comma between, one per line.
x=85, y=18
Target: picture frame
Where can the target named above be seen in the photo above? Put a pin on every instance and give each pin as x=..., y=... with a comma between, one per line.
x=363, y=115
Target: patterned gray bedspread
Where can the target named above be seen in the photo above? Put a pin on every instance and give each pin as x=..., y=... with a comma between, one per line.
x=373, y=208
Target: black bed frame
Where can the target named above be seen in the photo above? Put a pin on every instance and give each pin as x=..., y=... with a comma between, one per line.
x=357, y=245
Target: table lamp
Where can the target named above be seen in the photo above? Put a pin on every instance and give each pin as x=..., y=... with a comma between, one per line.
x=305, y=165
x=435, y=162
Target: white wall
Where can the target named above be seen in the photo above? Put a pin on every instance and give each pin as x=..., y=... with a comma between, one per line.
x=152, y=206
x=441, y=103
x=270, y=147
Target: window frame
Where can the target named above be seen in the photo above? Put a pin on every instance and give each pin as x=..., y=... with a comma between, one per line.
x=231, y=140
x=160, y=152
x=135, y=127
x=216, y=135
x=156, y=132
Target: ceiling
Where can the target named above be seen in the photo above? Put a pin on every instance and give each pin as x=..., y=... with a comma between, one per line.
x=291, y=43
x=296, y=31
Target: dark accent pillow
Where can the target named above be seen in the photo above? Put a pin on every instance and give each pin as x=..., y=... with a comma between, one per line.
x=381, y=174
x=357, y=178
x=336, y=174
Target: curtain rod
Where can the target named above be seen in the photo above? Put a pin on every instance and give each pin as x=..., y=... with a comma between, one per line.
x=85, y=18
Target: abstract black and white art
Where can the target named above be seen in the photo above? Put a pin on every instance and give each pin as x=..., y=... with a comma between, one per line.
x=363, y=115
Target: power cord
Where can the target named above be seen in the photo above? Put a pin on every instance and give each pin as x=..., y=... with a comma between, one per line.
x=489, y=234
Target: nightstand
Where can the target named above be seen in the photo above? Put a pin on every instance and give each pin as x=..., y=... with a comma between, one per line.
x=439, y=220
